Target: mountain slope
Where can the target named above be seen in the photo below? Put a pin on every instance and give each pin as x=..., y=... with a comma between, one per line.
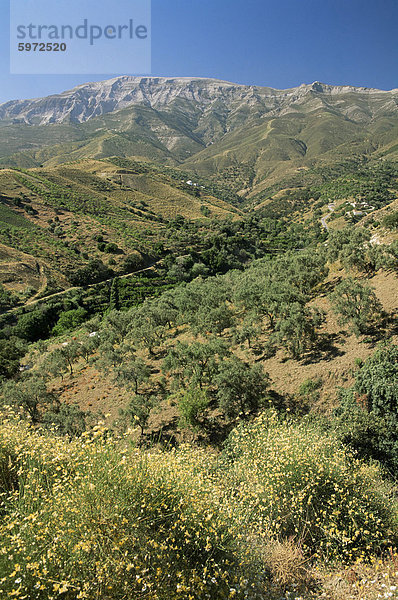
x=53, y=220
x=211, y=125
x=230, y=103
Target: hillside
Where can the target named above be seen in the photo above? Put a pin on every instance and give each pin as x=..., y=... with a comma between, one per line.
x=245, y=136
x=287, y=485
x=56, y=219
x=199, y=342
x=128, y=214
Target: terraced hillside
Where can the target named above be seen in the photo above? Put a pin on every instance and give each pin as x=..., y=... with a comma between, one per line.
x=54, y=220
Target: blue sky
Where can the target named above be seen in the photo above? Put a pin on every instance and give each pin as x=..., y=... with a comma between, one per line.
x=279, y=43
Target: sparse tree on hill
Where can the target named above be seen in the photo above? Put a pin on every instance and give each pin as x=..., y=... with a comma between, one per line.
x=241, y=387
x=194, y=363
x=62, y=359
x=132, y=372
x=90, y=345
x=349, y=240
x=30, y=394
x=164, y=310
x=356, y=304
x=145, y=333
x=55, y=364
x=203, y=304
x=112, y=356
x=296, y=328
x=302, y=270
x=116, y=326
x=249, y=329
x=139, y=410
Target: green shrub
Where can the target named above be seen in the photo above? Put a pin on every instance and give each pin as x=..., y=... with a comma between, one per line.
x=35, y=324
x=192, y=405
x=111, y=248
x=94, y=272
x=368, y=434
x=367, y=418
x=92, y=521
x=70, y=319
x=7, y=299
x=292, y=480
x=11, y=351
x=391, y=220
x=378, y=379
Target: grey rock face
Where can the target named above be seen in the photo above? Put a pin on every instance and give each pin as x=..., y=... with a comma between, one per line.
x=193, y=96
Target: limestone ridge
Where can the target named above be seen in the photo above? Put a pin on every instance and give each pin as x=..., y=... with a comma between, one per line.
x=197, y=95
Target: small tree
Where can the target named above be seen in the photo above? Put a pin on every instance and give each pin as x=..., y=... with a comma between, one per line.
x=132, y=262
x=192, y=405
x=194, y=363
x=241, y=387
x=296, y=328
x=203, y=304
x=249, y=329
x=391, y=220
x=199, y=270
x=111, y=248
x=94, y=272
x=62, y=359
x=139, y=410
x=29, y=394
x=147, y=328
x=90, y=345
x=356, y=304
x=348, y=245
x=116, y=326
x=132, y=373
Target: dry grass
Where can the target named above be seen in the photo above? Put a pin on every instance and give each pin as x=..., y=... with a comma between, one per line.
x=286, y=563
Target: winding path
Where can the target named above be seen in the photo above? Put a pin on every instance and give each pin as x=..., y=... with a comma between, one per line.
x=331, y=208
x=81, y=287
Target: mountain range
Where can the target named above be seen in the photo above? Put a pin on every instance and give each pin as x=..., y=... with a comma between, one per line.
x=246, y=136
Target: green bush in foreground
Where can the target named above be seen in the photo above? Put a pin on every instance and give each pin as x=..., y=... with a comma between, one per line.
x=294, y=481
x=367, y=417
x=86, y=519
x=93, y=519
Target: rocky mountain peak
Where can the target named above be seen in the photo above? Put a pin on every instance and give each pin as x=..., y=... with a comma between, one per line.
x=98, y=98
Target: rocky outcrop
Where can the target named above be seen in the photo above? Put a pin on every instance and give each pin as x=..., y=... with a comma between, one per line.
x=193, y=96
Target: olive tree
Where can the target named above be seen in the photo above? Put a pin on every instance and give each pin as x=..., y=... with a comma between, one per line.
x=241, y=387
x=356, y=304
